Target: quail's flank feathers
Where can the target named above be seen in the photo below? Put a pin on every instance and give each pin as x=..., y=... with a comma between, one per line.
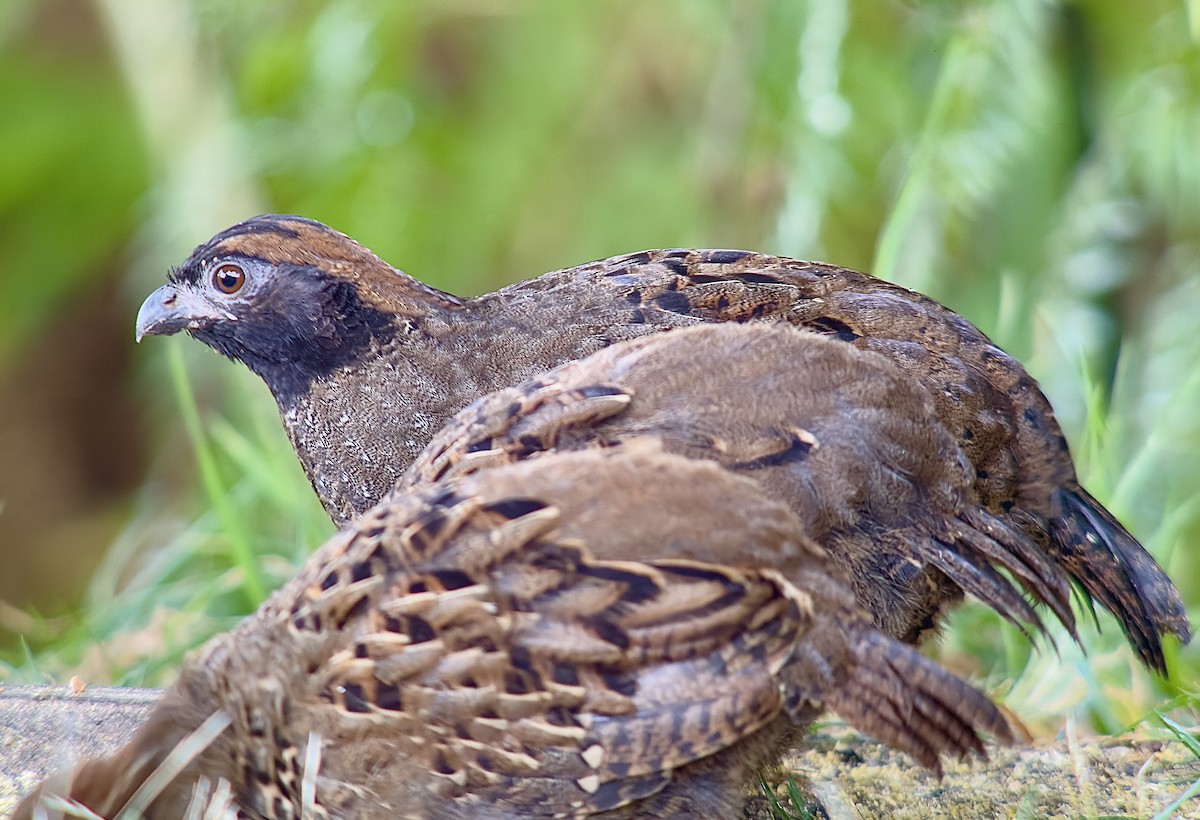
x=499, y=646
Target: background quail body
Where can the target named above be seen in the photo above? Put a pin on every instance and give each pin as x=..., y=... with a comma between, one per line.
x=839, y=434
x=367, y=363
x=495, y=646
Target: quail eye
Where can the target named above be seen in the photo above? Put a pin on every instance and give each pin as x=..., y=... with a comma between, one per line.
x=229, y=278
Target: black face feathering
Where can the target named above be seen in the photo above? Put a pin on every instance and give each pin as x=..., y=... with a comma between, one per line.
x=300, y=333
x=295, y=323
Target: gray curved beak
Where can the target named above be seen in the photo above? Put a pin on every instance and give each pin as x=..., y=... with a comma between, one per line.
x=171, y=309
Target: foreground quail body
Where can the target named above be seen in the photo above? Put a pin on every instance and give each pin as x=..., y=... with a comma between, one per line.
x=497, y=646
x=367, y=363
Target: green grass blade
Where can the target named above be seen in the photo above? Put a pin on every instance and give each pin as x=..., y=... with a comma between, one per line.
x=241, y=554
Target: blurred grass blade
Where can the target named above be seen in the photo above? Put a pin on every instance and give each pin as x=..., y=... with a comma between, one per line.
x=1193, y=745
x=240, y=552
x=1183, y=735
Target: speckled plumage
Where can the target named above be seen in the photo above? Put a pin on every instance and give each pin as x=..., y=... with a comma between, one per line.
x=367, y=364
x=842, y=436
x=495, y=646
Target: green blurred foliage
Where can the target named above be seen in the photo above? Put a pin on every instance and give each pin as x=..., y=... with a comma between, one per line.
x=70, y=155
x=1031, y=163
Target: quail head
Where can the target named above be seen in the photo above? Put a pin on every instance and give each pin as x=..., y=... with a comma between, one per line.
x=543, y=639
x=367, y=363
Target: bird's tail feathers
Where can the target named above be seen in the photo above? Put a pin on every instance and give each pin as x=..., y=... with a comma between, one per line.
x=1114, y=569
